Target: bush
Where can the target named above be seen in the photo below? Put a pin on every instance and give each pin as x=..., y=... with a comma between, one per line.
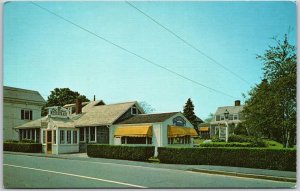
x=137, y=153
x=22, y=147
x=275, y=159
x=240, y=139
x=223, y=144
x=27, y=141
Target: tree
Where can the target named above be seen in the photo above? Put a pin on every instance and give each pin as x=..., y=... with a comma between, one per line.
x=61, y=97
x=271, y=108
x=209, y=118
x=188, y=112
x=146, y=107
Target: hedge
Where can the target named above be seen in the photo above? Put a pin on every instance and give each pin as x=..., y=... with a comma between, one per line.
x=23, y=147
x=137, y=153
x=263, y=158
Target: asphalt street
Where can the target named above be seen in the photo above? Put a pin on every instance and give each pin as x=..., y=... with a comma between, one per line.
x=22, y=171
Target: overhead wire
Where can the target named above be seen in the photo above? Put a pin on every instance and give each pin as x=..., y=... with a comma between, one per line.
x=187, y=43
x=131, y=52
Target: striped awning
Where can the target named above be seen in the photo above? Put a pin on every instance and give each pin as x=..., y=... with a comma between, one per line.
x=134, y=131
x=204, y=129
x=178, y=131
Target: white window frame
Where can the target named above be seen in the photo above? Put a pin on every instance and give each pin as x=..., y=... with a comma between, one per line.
x=64, y=140
x=95, y=135
x=222, y=117
x=235, y=116
x=135, y=109
x=84, y=135
x=67, y=140
x=54, y=137
x=24, y=111
x=75, y=132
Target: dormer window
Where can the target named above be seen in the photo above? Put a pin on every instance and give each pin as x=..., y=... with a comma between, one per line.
x=235, y=117
x=134, y=110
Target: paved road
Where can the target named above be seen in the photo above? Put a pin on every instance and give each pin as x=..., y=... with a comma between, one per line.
x=21, y=171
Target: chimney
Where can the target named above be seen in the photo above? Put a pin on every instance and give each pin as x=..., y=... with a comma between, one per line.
x=237, y=103
x=78, y=106
x=94, y=97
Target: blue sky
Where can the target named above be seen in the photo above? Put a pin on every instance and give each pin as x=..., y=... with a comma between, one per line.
x=42, y=51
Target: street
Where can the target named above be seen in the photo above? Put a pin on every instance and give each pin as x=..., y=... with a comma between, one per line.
x=21, y=171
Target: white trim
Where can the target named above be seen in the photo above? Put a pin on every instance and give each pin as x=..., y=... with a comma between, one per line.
x=84, y=134
x=90, y=134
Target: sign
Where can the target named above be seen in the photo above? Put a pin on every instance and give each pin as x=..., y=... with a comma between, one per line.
x=179, y=121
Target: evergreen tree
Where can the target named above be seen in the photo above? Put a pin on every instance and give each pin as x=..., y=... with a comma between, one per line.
x=188, y=112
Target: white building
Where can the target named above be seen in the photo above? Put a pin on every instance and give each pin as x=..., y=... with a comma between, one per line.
x=116, y=124
x=19, y=106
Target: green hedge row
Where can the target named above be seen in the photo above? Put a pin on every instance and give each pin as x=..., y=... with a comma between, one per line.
x=137, y=153
x=276, y=159
x=23, y=147
x=227, y=145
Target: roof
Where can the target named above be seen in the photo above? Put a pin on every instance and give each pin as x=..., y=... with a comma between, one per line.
x=32, y=124
x=92, y=104
x=18, y=94
x=63, y=122
x=103, y=114
x=148, y=118
x=230, y=109
x=73, y=104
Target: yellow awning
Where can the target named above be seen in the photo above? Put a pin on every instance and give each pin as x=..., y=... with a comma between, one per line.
x=177, y=131
x=134, y=131
x=192, y=132
x=204, y=129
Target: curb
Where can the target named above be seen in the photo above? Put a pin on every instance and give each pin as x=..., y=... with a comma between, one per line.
x=245, y=175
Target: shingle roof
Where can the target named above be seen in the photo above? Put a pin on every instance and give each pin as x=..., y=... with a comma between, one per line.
x=103, y=114
x=32, y=124
x=148, y=118
x=11, y=93
x=230, y=109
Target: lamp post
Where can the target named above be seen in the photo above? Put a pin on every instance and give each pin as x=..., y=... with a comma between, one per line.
x=226, y=114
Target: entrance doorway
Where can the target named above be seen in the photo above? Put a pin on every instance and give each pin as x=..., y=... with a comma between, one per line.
x=49, y=142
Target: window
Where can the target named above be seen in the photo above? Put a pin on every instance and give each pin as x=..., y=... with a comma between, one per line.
x=62, y=136
x=82, y=134
x=26, y=114
x=37, y=135
x=54, y=136
x=217, y=117
x=44, y=136
x=222, y=117
x=69, y=137
x=179, y=140
x=235, y=117
x=134, y=110
x=33, y=134
x=74, y=137
x=92, y=133
x=230, y=117
x=136, y=140
x=28, y=134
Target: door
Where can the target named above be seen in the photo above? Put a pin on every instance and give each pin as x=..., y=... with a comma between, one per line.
x=49, y=142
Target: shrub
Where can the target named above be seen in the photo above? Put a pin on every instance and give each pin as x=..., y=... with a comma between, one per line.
x=276, y=159
x=138, y=153
x=27, y=141
x=23, y=147
x=215, y=138
x=223, y=144
x=239, y=138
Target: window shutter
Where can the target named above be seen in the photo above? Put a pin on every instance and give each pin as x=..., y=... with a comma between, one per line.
x=22, y=114
x=30, y=115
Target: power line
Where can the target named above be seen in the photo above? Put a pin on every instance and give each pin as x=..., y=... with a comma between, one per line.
x=128, y=51
x=187, y=43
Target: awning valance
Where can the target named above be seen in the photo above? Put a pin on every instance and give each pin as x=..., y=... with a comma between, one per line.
x=177, y=131
x=134, y=131
x=204, y=129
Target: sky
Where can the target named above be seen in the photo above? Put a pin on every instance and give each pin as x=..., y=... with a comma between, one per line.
x=42, y=51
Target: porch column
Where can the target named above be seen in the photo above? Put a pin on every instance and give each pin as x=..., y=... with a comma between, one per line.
x=34, y=135
x=71, y=136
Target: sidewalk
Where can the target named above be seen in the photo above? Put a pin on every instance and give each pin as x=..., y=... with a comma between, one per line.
x=276, y=175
